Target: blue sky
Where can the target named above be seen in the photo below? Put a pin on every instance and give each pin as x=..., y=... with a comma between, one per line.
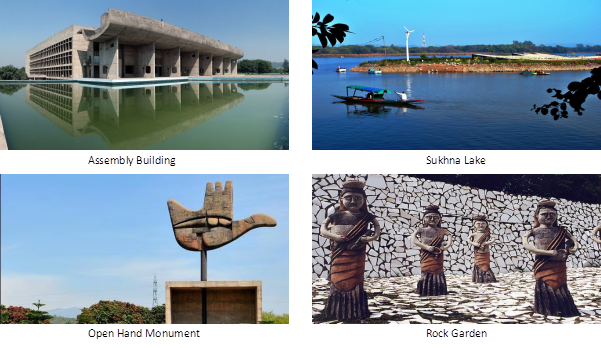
x=72, y=240
x=258, y=27
x=466, y=22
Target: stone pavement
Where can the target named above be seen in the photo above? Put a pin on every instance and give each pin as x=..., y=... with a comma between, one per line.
x=510, y=300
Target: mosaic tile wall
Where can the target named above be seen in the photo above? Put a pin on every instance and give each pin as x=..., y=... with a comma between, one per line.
x=398, y=200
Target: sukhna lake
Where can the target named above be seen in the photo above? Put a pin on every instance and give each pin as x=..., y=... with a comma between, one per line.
x=461, y=111
x=184, y=116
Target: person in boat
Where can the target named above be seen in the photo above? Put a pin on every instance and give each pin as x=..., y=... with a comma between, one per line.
x=552, y=245
x=348, y=231
x=403, y=96
x=370, y=96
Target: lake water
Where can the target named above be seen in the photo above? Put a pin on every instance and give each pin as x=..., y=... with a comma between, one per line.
x=461, y=111
x=189, y=116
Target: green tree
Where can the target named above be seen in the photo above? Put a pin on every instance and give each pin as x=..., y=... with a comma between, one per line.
x=248, y=66
x=9, y=72
x=3, y=314
x=10, y=89
x=156, y=315
x=263, y=66
x=113, y=312
x=38, y=316
x=285, y=66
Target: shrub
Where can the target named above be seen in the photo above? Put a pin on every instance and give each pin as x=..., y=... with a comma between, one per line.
x=113, y=312
x=270, y=318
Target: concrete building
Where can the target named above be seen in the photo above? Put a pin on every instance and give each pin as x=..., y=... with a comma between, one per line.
x=127, y=45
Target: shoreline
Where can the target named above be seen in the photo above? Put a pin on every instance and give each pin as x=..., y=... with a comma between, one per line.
x=355, y=55
x=475, y=68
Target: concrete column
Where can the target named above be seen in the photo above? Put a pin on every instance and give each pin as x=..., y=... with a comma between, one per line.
x=218, y=65
x=172, y=62
x=227, y=66
x=145, y=57
x=206, y=65
x=234, y=67
x=109, y=57
x=190, y=61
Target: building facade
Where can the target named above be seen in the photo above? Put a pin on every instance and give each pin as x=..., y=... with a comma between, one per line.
x=127, y=45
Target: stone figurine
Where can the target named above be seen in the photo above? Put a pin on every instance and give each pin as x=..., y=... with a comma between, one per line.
x=552, y=245
x=481, y=239
x=433, y=281
x=596, y=234
x=347, y=229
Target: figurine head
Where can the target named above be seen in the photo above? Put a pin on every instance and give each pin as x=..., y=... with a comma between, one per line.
x=432, y=216
x=353, y=197
x=480, y=224
x=546, y=214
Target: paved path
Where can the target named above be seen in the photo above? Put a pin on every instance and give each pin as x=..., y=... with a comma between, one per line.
x=3, y=145
x=510, y=300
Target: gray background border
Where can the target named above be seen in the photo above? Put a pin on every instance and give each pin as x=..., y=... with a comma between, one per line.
x=301, y=162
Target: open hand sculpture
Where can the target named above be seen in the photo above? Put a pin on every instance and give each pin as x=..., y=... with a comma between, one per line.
x=212, y=227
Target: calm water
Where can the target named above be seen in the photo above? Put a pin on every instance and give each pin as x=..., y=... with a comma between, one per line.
x=179, y=117
x=461, y=111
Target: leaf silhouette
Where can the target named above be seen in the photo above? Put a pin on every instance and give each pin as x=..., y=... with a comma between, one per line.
x=328, y=18
x=316, y=18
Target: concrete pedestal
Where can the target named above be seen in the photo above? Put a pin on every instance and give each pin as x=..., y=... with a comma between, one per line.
x=228, y=302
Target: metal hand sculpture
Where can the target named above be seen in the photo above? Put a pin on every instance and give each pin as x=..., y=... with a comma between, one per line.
x=212, y=227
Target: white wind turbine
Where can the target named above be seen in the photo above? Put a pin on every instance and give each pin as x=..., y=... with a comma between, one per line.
x=408, y=32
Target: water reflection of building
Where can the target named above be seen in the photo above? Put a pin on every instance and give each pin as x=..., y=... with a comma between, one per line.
x=131, y=118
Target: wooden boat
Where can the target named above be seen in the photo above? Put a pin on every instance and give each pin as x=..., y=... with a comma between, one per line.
x=542, y=73
x=340, y=69
x=377, y=96
x=527, y=73
x=372, y=71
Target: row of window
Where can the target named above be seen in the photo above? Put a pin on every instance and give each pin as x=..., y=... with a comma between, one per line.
x=63, y=46
x=57, y=111
x=56, y=72
x=58, y=100
x=65, y=89
x=60, y=59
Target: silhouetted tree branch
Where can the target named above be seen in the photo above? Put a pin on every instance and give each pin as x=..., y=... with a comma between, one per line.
x=332, y=33
x=575, y=97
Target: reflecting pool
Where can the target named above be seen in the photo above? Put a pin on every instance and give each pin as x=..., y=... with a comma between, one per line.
x=187, y=116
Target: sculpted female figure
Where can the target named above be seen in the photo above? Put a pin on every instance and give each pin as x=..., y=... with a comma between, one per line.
x=596, y=234
x=481, y=239
x=552, y=245
x=348, y=232
x=433, y=281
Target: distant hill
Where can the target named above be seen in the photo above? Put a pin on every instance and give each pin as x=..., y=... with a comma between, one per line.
x=277, y=65
x=72, y=312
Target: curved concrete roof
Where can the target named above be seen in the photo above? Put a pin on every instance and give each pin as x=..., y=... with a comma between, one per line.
x=133, y=29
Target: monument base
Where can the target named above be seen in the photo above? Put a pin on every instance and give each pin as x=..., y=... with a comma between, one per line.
x=228, y=302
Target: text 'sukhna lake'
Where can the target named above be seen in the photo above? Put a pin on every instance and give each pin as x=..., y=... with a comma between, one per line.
x=461, y=111
x=187, y=116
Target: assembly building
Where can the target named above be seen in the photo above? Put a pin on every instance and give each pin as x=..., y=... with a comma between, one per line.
x=129, y=46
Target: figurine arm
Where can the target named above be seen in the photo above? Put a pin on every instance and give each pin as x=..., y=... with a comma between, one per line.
x=575, y=248
x=534, y=250
x=449, y=241
x=324, y=231
x=376, y=233
x=595, y=232
x=469, y=240
x=418, y=243
x=492, y=240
